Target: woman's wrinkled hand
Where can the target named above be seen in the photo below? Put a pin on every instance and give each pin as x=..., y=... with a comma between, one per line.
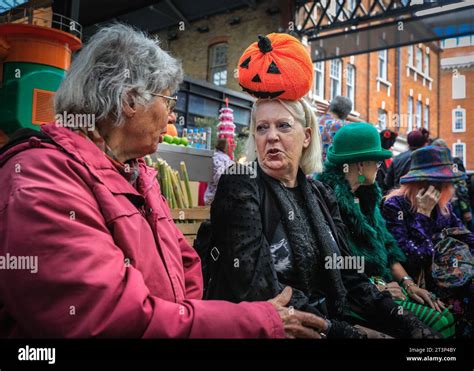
x=298, y=324
x=423, y=296
x=395, y=290
x=428, y=200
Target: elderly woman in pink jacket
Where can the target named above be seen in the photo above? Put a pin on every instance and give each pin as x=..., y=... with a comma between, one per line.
x=78, y=200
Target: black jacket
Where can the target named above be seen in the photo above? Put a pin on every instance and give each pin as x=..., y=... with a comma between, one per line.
x=381, y=175
x=399, y=167
x=244, y=216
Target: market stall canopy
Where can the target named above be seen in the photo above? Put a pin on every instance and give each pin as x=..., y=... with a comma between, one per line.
x=151, y=15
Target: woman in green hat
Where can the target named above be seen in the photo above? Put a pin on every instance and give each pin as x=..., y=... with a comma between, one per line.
x=350, y=170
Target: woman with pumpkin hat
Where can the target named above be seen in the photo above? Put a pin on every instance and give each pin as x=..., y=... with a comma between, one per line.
x=272, y=226
x=350, y=170
x=418, y=214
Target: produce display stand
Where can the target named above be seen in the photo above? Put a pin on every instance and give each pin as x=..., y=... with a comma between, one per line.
x=198, y=161
x=199, y=167
x=189, y=220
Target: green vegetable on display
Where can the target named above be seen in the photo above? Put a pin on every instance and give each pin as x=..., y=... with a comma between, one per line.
x=179, y=141
x=171, y=184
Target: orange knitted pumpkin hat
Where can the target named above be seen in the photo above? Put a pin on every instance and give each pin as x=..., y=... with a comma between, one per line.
x=277, y=66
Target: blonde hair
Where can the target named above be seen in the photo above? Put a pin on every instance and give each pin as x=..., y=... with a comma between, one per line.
x=311, y=159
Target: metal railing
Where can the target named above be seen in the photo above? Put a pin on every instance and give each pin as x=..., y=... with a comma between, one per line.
x=30, y=15
x=315, y=16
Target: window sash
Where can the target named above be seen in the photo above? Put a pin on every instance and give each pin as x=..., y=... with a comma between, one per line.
x=459, y=120
x=335, y=77
x=318, y=66
x=218, y=64
x=335, y=88
x=350, y=82
x=383, y=64
x=418, y=114
x=219, y=76
x=427, y=65
x=382, y=119
x=218, y=55
x=410, y=114
x=459, y=150
x=419, y=57
x=336, y=69
x=319, y=79
x=426, y=118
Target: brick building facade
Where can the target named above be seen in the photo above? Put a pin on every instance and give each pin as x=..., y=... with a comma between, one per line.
x=399, y=88
x=394, y=88
x=457, y=97
x=211, y=49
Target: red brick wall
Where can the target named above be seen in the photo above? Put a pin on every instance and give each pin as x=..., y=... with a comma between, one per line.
x=369, y=97
x=378, y=96
x=448, y=104
x=420, y=90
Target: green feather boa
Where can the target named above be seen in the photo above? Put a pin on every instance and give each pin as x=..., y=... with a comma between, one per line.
x=368, y=234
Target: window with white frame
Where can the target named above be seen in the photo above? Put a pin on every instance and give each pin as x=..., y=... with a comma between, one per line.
x=458, y=86
x=418, y=114
x=382, y=119
x=319, y=79
x=459, y=120
x=383, y=64
x=335, y=77
x=426, y=118
x=218, y=64
x=419, y=59
x=350, y=83
x=410, y=55
x=427, y=65
x=410, y=114
x=459, y=150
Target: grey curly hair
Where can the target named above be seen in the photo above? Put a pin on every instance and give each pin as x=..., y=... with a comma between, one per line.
x=341, y=106
x=118, y=64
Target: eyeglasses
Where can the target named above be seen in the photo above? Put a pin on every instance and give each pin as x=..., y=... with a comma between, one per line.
x=170, y=101
x=379, y=163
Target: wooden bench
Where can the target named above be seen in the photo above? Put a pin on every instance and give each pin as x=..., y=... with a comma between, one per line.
x=189, y=220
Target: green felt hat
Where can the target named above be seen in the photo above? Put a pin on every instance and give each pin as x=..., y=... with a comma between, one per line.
x=357, y=142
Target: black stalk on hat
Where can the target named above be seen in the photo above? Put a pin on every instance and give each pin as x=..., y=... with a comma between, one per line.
x=264, y=44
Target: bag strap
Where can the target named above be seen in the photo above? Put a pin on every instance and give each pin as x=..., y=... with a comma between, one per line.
x=451, y=232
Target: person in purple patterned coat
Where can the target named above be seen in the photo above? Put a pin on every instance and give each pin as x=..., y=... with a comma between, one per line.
x=421, y=209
